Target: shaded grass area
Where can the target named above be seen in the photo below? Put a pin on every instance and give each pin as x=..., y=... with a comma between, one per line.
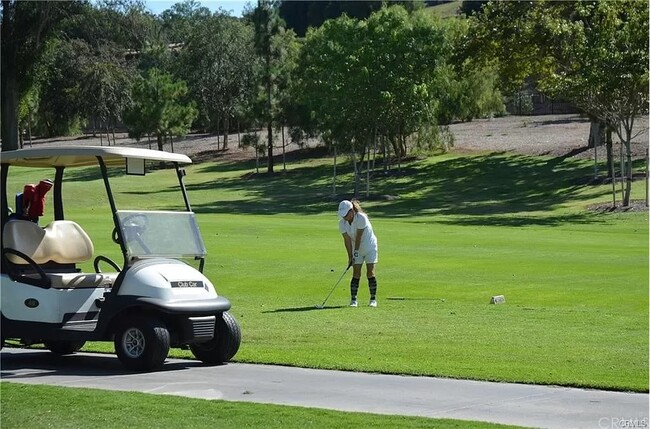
x=461, y=230
x=466, y=190
x=98, y=408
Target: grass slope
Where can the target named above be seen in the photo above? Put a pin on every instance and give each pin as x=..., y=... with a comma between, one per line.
x=446, y=10
x=463, y=229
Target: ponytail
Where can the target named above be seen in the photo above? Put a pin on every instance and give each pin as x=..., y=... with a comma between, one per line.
x=356, y=206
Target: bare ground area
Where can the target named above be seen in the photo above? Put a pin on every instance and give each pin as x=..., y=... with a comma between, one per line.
x=549, y=135
x=556, y=136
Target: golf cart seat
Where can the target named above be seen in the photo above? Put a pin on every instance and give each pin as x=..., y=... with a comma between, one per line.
x=61, y=241
x=54, y=250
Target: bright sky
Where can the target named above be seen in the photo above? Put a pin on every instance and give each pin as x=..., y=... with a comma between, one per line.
x=235, y=7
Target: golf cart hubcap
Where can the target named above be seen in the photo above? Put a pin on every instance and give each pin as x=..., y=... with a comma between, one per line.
x=133, y=343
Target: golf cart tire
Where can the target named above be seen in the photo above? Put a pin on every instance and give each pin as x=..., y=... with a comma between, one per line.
x=142, y=343
x=63, y=347
x=223, y=346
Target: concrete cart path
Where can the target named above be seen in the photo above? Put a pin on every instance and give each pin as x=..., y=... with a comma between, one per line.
x=518, y=404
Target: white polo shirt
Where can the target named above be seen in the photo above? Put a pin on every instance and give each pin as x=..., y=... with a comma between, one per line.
x=368, y=239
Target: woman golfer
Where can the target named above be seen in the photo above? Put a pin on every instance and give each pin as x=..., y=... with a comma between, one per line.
x=361, y=244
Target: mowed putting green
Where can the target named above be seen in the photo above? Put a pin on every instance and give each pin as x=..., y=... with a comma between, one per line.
x=462, y=229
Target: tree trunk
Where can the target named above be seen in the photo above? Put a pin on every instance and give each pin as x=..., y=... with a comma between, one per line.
x=257, y=153
x=159, y=139
x=594, y=133
x=29, y=128
x=622, y=160
x=284, y=155
x=612, y=171
x=217, y=131
x=226, y=126
x=628, y=167
x=238, y=134
x=269, y=126
x=374, y=149
x=334, y=175
x=647, y=175
x=21, y=137
x=610, y=151
x=8, y=88
x=368, y=172
x=356, y=174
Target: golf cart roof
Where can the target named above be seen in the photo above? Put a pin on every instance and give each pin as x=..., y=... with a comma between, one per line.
x=78, y=156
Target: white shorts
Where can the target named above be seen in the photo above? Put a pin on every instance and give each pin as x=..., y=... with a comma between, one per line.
x=370, y=257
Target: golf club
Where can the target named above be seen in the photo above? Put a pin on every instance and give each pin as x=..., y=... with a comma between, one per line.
x=337, y=283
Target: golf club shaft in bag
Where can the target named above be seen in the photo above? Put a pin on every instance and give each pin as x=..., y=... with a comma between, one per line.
x=337, y=283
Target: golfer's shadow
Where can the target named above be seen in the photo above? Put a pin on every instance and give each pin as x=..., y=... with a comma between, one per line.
x=309, y=308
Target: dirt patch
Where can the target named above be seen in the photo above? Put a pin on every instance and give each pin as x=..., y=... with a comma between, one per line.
x=635, y=206
x=549, y=135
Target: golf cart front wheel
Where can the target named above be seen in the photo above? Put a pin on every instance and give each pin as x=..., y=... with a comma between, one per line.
x=63, y=347
x=142, y=343
x=224, y=345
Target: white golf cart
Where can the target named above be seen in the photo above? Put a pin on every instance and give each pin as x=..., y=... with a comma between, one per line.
x=154, y=300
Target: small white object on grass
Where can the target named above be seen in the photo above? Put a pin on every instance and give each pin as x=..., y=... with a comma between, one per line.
x=498, y=299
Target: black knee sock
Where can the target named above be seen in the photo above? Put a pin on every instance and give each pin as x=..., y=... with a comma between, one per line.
x=354, y=287
x=372, y=285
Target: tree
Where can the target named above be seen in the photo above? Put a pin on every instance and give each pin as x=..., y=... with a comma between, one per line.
x=267, y=24
x=59, y=77
x=218, y=63
x=594, y=54
x=26, y=27
x=467, y=89
x=375, y=77
x=159, y=107
x=288, y=109
x=179, y=21
x=106, y=86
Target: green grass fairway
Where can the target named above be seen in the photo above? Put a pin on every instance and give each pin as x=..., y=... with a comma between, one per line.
x=463, y=228
x=61, y=407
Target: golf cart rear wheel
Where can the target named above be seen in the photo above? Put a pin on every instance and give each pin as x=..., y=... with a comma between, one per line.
x=64, y=347
x=223, y=346
x=142, y=343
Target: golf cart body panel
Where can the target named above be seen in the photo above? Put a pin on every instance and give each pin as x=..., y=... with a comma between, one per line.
x=154, y=300
x=167, y=279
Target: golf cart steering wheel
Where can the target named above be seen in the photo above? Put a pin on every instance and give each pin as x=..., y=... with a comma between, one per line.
x=133, y=225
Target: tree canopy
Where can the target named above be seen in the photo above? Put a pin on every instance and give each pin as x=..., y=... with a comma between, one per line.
x=594, y=54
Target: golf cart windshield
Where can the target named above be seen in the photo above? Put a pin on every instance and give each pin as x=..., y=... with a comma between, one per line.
x=149, y=234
